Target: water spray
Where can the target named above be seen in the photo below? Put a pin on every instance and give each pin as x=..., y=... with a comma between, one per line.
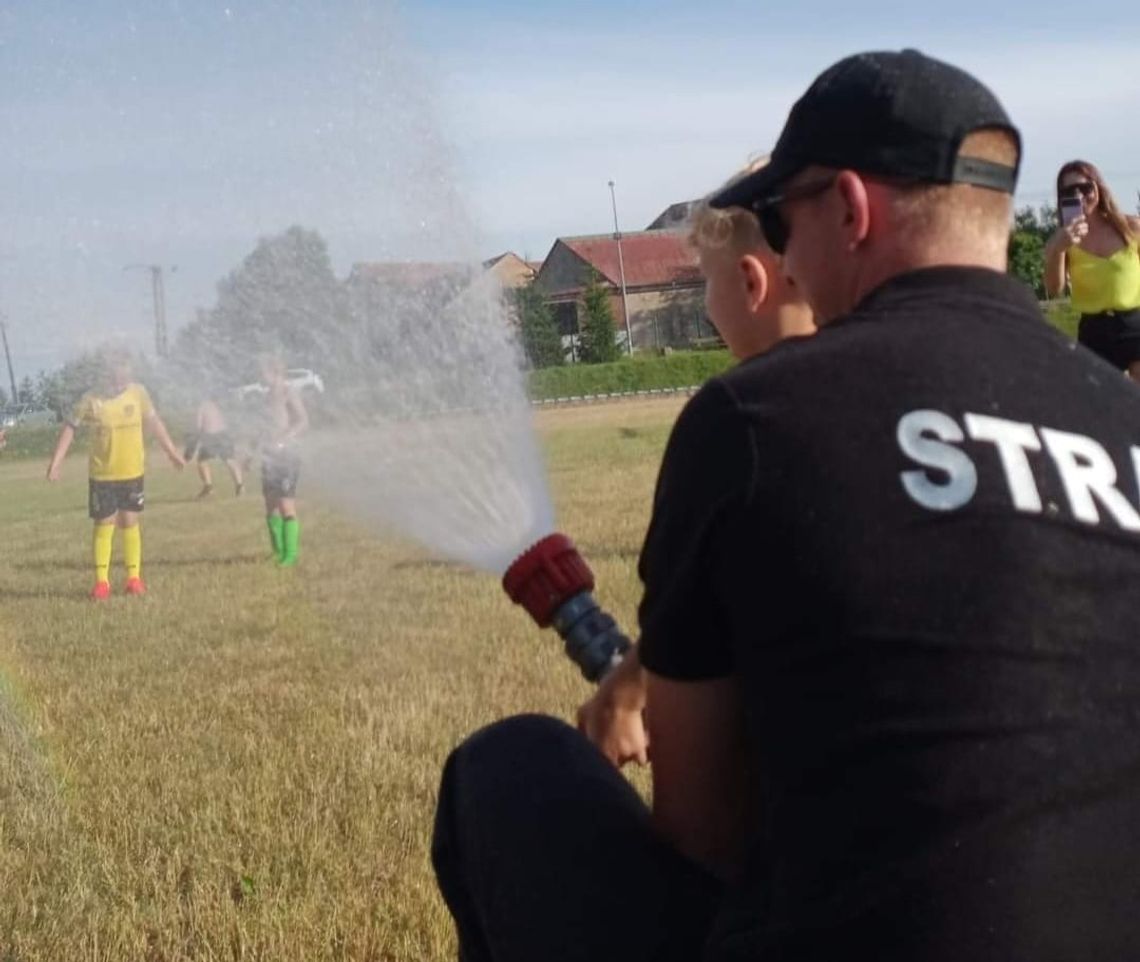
x=552, y=581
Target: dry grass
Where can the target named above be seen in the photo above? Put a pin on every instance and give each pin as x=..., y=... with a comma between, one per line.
x=243, y=764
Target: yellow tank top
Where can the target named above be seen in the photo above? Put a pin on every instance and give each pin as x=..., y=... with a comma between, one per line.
x=117, y=441
x=1105, y=283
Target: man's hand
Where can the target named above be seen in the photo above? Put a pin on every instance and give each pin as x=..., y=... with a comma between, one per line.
x=612, y=719
x=176, y=459
x=53, y=472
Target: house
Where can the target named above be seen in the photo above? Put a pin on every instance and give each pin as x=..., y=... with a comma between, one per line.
x=405, y=289
x=664, y=289
x=420, y=275
x=510, y=270
x=675, y=216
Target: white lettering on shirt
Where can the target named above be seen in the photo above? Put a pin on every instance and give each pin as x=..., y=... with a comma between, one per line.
x=1012, y=439
x=948, y=478
x=1136, y=467
x=914, y=439
x=1088, y=474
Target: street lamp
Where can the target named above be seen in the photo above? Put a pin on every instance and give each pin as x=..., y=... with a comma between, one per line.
x=8, y=358
x=621, y=270
x=160, y=343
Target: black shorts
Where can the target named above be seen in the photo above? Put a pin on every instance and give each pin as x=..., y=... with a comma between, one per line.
x=219, y=445
x=280, y=472
x=1114, y=336
x=107, y=498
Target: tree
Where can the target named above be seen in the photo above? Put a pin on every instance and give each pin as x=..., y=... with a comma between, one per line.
x=60, y=390
x=540, y=338
x=1027, y=260
x=597, y=341
x=26, y=391
x=1031, y=231
x=283, y=298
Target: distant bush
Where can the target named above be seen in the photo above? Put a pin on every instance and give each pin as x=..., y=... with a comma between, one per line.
x=1031, y=231
x=639, y=373
x=39, y=441
x=1063, y=316
x=597, y=338
x=31, y=442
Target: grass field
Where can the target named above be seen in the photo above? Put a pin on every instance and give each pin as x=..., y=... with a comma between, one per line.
x=243, y=764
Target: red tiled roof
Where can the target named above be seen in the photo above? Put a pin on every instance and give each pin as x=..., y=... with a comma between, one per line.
x=652, y=258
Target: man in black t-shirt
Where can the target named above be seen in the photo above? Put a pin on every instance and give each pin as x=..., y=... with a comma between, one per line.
x=889, y=653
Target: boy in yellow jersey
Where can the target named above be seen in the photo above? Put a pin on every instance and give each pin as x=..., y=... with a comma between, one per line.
x=117, y=411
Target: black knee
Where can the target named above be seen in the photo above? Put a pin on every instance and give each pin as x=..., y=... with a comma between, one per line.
x=501, y=752
x=513, y=739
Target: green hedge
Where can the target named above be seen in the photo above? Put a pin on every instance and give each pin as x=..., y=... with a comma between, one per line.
x=685, y=368
x=639, y=373
x=37, y=442
x=1062, y=316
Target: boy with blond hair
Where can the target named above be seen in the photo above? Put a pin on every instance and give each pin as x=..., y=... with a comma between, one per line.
x=749, y=300
x=753, y=307
x=491, y=828
x=117, y=411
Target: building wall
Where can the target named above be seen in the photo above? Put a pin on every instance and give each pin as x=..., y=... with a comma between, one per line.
x=512, y=272
x=563, y=271
x=658, y=319
x=669, y=317
x=666, y=318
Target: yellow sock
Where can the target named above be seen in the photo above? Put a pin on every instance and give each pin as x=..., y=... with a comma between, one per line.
x=132, y=550
x=101, y=544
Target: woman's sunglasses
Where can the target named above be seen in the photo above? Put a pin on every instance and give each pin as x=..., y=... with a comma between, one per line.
x=1084, y=187
x=772, y=223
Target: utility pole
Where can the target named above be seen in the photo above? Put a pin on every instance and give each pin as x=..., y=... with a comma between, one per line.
x=621, y=269
x=8, y=358
x=159, y=294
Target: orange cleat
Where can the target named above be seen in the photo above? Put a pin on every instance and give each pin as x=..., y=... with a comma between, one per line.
x=135, y=586
x=101, y=591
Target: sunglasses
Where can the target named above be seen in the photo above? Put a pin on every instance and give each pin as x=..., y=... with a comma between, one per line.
x=1085, y=187
x=772, y=222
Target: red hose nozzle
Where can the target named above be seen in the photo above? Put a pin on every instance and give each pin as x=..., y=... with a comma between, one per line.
x=547, y=575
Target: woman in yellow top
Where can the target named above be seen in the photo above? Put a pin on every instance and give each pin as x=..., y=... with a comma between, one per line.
x=1098, y=253
x=117, y=411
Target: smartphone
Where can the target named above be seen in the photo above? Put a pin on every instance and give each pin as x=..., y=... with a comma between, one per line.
x=1071, y=209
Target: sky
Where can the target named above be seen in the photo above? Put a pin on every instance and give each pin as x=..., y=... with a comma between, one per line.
x=178, y=132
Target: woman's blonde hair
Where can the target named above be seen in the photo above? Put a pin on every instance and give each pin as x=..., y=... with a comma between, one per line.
x=1106, y=203
x=712, y=228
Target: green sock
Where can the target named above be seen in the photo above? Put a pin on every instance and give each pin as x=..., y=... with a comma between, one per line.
x=291, y=538
x=276, y=534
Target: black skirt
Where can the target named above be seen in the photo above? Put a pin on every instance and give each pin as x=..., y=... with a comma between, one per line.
x=1113, y=335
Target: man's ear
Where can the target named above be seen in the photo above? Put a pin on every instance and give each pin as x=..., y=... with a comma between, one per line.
x=856, y=208
x=754, y=276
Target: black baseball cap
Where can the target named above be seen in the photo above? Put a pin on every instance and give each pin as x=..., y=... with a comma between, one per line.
x=897, y=114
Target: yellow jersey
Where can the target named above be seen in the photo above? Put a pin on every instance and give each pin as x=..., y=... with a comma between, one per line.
x=117, y=445
x=1102, y=284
